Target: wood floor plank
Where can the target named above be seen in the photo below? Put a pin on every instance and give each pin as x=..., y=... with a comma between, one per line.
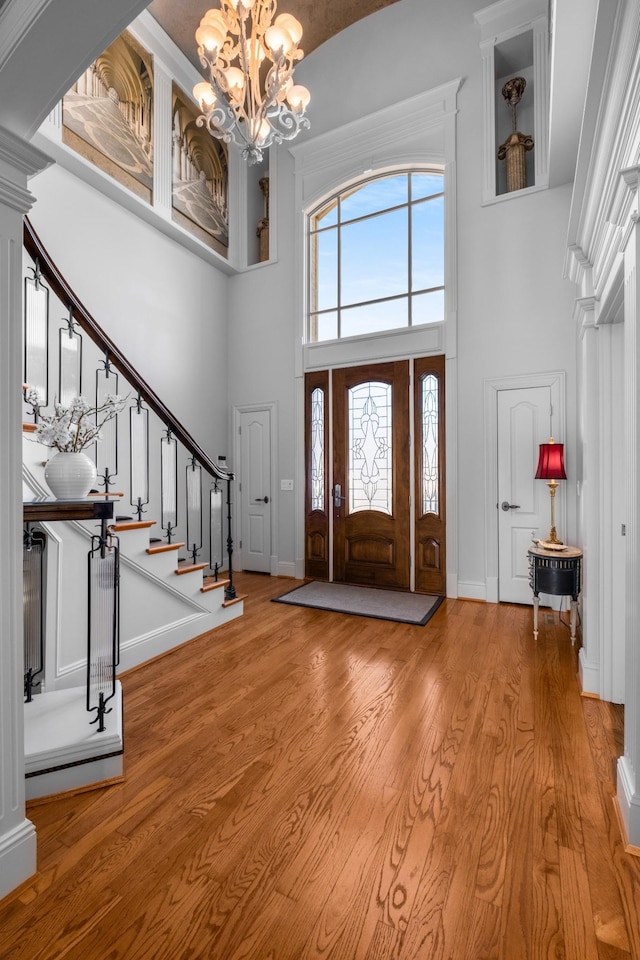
x=301, y=784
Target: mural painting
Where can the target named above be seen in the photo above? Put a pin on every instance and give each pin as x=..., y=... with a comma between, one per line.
x=107, y=116
x=200, y=177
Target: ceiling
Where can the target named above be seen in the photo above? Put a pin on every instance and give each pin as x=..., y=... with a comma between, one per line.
x=320, y=19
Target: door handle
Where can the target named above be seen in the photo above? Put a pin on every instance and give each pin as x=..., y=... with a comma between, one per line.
x=337, y=498
x=262, y=500
x=509, y=506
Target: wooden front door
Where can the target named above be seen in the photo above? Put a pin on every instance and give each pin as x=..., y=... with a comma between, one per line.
x=371, y=475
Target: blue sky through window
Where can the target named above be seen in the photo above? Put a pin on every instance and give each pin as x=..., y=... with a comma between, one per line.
x=377, y=257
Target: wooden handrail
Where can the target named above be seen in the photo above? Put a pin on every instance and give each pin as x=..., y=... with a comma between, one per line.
x=83, y=318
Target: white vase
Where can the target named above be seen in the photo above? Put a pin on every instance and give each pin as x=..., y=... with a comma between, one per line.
x=70, y=476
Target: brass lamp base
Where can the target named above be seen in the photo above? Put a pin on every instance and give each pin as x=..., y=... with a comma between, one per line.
x=553, y=542
x=549, y=545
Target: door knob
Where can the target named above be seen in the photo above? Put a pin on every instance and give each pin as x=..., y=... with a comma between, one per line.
x=506, y=506
x=262, y=500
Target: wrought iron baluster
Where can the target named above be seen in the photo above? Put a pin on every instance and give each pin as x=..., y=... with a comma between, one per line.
x=169, y=484
x=139, y=456
x=36, y=334
x=33, y=547
x=194, y=508
x=107, y=449
x=103, y=640
x=216, y=532
x=69, y=361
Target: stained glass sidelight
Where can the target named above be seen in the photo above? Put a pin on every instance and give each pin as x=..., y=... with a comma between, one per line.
x=370, y=465
x=430, y=473
x=317, y=449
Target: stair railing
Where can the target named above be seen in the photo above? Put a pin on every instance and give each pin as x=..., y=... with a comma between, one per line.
x=147, y=451
x=183, y=467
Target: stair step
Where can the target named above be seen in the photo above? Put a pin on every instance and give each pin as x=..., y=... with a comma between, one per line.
x=132, y=525
x=238, y=599
x=29, y=427
x=189, y=567
x=165, y=548
x=212, y=584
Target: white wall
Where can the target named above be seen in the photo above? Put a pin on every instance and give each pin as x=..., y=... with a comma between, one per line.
x=514, y=308
x=163, y=307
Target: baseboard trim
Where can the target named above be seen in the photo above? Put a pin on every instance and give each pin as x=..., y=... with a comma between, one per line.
x=18, y=858
x=468, y=590
x=589, y=675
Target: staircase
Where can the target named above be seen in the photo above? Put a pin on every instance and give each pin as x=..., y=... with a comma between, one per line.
x=174, y=581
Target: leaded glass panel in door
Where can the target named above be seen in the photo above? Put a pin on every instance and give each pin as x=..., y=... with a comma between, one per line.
x=370, y=480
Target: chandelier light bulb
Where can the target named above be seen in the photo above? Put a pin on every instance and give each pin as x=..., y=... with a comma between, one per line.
x=243, y=7
x=235, y=82
x=298, y=97
x=204, y=94
x=215, y=18
x=278, y=41
x=209, y=37
x=289, y=23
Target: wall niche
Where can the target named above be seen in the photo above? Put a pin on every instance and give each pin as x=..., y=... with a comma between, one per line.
x=514, y=46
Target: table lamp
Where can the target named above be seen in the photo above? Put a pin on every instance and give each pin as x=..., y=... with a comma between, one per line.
x=551, y=469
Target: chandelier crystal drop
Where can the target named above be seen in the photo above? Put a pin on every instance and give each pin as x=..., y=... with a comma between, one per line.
x=250, y=98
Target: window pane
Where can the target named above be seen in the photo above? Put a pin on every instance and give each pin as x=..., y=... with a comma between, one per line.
x=324, y=270
x=427, y=253
x=370, y=464
x=323, y=326
x=317, y=449
x=426, y=184
x=430, y=444
x=373, y=197
x=374, y=317
x=374, y=258
x=427, y=308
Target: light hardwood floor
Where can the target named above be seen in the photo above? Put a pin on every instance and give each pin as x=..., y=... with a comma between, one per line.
x=302, y=784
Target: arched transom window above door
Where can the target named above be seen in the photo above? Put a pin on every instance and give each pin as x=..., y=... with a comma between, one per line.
x=376, y=256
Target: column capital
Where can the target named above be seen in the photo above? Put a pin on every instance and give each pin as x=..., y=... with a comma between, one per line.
x=21, y=154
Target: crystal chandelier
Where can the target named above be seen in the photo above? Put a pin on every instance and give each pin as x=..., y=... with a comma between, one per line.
x=247, y=100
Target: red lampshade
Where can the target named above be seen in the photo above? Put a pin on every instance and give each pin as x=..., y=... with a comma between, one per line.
x=551, y=462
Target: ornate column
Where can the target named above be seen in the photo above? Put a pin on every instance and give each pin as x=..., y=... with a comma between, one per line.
x=18, y=161
x=628, y=792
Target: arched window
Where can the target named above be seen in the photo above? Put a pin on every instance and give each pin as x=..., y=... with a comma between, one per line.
x=376, y=257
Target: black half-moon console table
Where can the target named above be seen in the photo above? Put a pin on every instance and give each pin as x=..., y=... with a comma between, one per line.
x=556, y=572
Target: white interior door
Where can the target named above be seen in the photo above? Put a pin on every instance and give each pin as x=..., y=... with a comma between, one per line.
x=255, y=492
x=524, y=418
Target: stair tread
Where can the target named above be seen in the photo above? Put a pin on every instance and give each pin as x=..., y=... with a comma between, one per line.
x=189, y=567
x=165, y=548
x=132, y=525
x=210, y=584
x=29, y=427
x=230, y=603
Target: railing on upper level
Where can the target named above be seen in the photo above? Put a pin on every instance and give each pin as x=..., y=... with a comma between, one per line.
x=144, y=450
